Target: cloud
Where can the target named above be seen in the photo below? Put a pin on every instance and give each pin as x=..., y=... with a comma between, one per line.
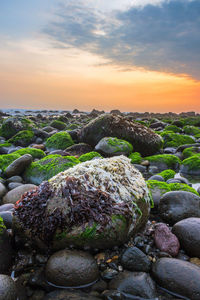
x=160, y=37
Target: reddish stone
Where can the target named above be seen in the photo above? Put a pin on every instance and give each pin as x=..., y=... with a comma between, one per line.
x=165, y=240
x=39, y=146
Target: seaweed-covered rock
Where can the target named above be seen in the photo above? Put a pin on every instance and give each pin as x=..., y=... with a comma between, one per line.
x=13, y=125
x=143, y=139
x=7, y=159
x=173, y=128
x=98, y=203
x=110, y=146
x=48, y=167
x=164, y=161
x=193, y=130
x=191, y=165
x=135, y=158
x=59, y=140
x=18, y=166
x=172, y=139
x=89, y=156
x=58, y=125
x=5, y=250
x=157, y=188
x=167, y=174
x=22, y=138
x=35, y=153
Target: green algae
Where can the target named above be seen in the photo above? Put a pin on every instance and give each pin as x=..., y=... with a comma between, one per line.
x=169, y=159
x=192, y=130
x=193, y=162
x=60, y=140
x=135, y=158
x=182, y=187
x=188, y=152
x=167, y=174
x=119, y=144
x=58, y=124
x=2, y=226
x=35, y=153
x=7, y=159
x=173, y=128
x=89, y=156
x=22, y=138
x=172, y=139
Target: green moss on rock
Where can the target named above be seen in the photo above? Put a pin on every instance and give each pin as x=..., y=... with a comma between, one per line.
x=60, y=140
x=36, y=153
x=163, y=160
x=191, y=165
x=191, y=130
x=135, y=158
x=172, y=139
x=22, y=138
x=188, y=152
x=167, y=174
x=2, y=226
x=6, y=144
x=162, y=186
x=48, y=167
x=58, y=124
x=12, y=125
x=182, y=187
x=7, y=159
x=89, y=156
x=112, y=146
x=173, y=128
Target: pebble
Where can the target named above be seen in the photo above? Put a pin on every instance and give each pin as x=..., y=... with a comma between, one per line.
x=133, y=259
x=15, y=194
x=7, y=288
x=18, y=166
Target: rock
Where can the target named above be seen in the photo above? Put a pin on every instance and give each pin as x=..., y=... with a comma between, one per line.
x=59, y=141
x=177, y=276
x=79, y=149
x=48, y=167
x=69, y=295
x=13, y=185
x=5, y=251
x=143, y=139
x=164, y=161
x=191, y=165
x=178, y=205
x=6, y=207
x=7, y=218
x=12, y=125
x=134, y=283
x=18, y=166
x=7, y=288
x=15, y=194
x=158, y=189
x=3, y=190
x=156, y=177
x=111, y=195
x=109, y=146
x=195, y=260
x=14, y=179
x=71, y=269
x=188, y=233
x=133, y=259
x=165, y=240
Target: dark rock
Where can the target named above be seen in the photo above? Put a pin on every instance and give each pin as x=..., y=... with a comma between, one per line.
x=177, y=276
x=165, y=240
x=133, y=259
x=169, y=150
x=173, y=180
x=13, y=185
x=143, y=139
x=19, y=165
x=109, y=274
x=71, y=268
x=5, y=252
x=6, y=207
x=7, y=288
x=3, y=190
x=79, y=149
x=156, y=177
x=15, y=179
x=69, y=295
x=188, y=233
x=134, y=283
x=60, y=152
x=178, y=205
x=15, y=194
x=7, y=218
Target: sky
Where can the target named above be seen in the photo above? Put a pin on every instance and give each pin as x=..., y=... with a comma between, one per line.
x=132, y=55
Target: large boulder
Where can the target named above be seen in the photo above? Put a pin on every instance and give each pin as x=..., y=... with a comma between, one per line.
x=12, y=125
x=97, y=204
x=143, y=139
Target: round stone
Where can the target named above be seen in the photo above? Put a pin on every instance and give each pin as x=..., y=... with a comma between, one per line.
x=7, y=288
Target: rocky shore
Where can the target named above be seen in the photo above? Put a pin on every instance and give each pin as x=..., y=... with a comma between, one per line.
x=99, y=206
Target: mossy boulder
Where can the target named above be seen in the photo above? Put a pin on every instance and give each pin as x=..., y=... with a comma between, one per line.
x=167, y=174
x=157, y=189
x=112, y=146
x=96, y=204
x=59, y=141
x=182, y=187
x=7, y=159
x=188, y=152
x=13, y=125
x=192, y=130
x=22, y=138
x=58, y=125
x=89, y=156
x=143, y=139
x=35, y=153
x=173, y=128
x=48, y=167
x=135, y=158
x=172, y=139
x=191, y=165
x=164, y=161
